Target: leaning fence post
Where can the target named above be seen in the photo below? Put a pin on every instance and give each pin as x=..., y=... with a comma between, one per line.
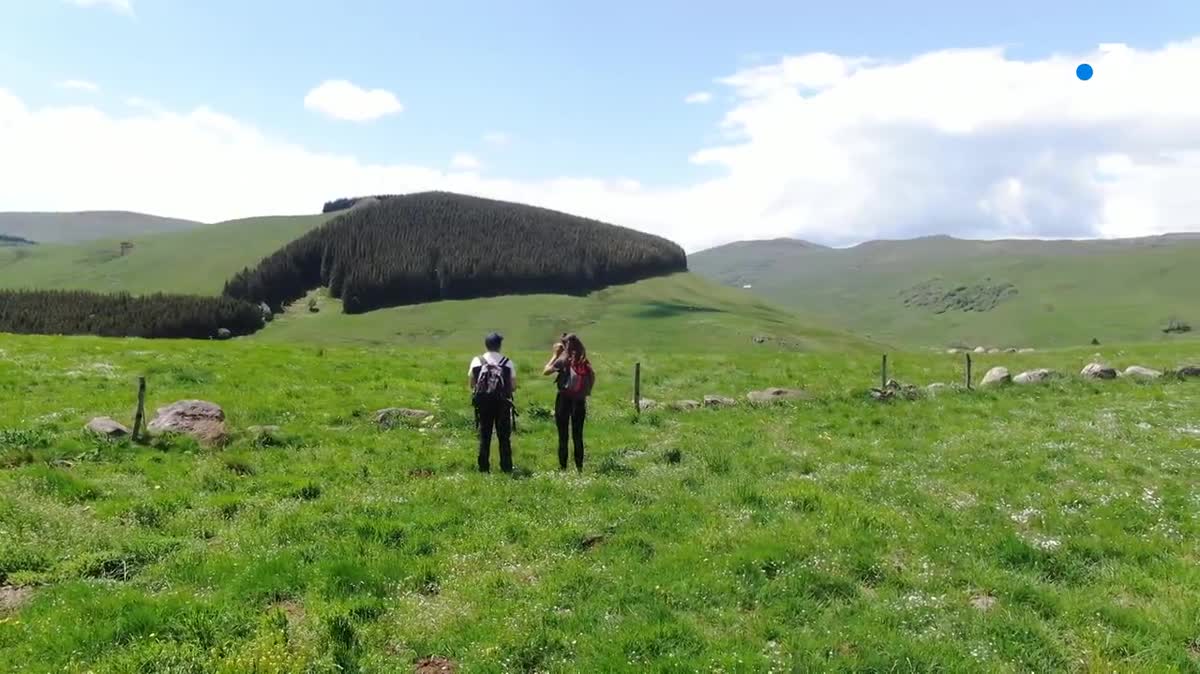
x=141, y=404
x=968, y=372
x=883, y=373
x=637, y=389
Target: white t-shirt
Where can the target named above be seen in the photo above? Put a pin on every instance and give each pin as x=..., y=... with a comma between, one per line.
x=494, y=358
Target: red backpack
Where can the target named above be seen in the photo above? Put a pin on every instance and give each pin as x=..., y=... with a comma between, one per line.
x=580, y=380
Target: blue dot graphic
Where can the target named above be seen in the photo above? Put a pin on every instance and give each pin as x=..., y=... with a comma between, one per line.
x=1084, y=72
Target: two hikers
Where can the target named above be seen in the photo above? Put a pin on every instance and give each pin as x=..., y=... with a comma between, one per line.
x=493, y=379
x=574, y=377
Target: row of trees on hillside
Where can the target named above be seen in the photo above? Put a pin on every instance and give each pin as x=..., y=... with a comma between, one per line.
x=9, y=240
x=78, y=312
x=435, y=245
x=349, y=202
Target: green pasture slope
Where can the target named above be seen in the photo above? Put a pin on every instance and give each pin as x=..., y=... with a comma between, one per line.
x=1053, y=528
x=196, y=261
x=1066, y=292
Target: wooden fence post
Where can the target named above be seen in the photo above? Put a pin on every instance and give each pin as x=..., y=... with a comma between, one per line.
x=637, y=389
x=141, y=405
x=883, y=373
x=968, y=372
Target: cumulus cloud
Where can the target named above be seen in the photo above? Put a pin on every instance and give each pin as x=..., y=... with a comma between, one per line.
x=121, y=6
x=79, y=85
x=832, y=148
x=347, y=101
x=699, y=97
x=465, y=162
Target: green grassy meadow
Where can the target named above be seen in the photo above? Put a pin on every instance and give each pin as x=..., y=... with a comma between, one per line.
x=1051, y=528
x=196, y=261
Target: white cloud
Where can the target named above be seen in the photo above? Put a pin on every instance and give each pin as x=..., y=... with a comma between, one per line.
x=699, y=97
x=79, y=85
x=834, y=149
x=465, y=162
x=121, y=6
x=347, y=101
x=497, y=138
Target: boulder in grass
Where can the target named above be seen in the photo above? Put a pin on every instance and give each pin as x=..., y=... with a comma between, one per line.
x=996, y=376
x=107, y=427
x=774, y=395
x=1034, y=376
x=224, y=333
x=1098, y=371
x=1139, y=372
x=1188, y=372
x=981, y=349
x=685, y=405
x=647, y=405
x=200, y=419
x=718, y=401
x=391, y=417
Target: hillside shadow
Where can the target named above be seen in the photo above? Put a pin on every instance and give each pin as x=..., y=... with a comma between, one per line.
x=671, y=309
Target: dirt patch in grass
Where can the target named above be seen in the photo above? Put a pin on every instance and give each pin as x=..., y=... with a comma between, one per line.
x=13, y=598
x=983, y=602
x=435, y=666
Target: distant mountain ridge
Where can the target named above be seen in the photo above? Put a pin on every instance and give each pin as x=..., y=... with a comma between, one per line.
x=73, y=227
x=938, y=290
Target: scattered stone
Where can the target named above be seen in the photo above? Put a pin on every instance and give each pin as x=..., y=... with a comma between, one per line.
x=1144, y=426
x=685, y=405
x=1098, y=371
x=647, y=405
x=773, y=395
x=1139, y=372
x=993, y=350
x=718, y=401
x=107, y=427
x=983, y=602
x=1034, y=376
x=1010, y=350
x=1188, y=372
x=980, y=349
x=267, y=314
x=13, y=598
x=390, y=417
x=761, y=339
x=263, y=430
x=200, y=419
x=224, y=333
x=953, y=351
x=435, y=666
x=996, y=376
x=937, y=387
x=1025, y=350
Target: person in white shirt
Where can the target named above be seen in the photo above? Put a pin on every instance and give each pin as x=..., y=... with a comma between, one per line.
x=493, y=378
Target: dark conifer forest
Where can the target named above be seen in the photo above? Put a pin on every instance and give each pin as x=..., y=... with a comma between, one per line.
x=8, y=240
x=437, y=245
x=77, y=312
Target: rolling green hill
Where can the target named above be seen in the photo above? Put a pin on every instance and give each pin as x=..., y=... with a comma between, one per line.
x=88, y=225
x=679, y=312
x=195, y=261
x=941, y=291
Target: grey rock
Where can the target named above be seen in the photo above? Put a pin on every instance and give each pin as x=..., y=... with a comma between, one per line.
x=1139, y=372
x=685, y=405
x=1188, y=371
x=980, y=349
x=647, y=405
x=224, y=333
x=1098, y=371
x=996, y=376
x=1034, y=376
x=1025, y=350
x=761, y=339
x=267, y=314
x=200, y=419
x=774, y=395
x=390, y=417
x=718, y=401
x=107, y=427
x=993, y=350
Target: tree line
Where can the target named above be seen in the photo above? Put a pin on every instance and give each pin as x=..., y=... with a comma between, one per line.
x=349, y=202
x=436, y=245
x=79, y=312
x=9, y=240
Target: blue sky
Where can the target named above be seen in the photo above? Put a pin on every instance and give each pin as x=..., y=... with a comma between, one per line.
x=587, y=90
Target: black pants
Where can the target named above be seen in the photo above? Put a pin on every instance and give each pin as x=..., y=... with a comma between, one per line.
x=570, y=414
x=495, y=414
